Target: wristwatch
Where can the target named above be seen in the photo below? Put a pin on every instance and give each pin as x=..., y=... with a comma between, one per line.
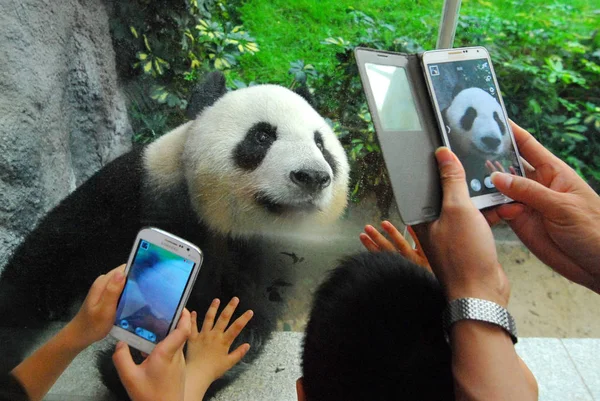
x=478, y=309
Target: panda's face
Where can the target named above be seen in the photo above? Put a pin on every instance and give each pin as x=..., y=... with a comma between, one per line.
x=475, y=121
x=261, y=159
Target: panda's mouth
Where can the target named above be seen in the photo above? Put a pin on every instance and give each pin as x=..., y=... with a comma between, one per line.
x=277, y=207
x=486, y=150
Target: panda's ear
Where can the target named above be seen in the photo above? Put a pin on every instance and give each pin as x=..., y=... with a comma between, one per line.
x=303, y=91
x=206, y=94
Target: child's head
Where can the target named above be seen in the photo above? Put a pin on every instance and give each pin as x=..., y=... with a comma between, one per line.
x=375, y=333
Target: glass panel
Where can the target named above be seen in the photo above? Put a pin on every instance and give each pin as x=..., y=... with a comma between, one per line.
x=126, y=114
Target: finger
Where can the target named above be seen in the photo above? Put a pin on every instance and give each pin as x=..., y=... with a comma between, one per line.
x=510, y=211
x=416, y=239
x=98, y=286
x=235, y=356
x=499, y=166
x=490, y=166
x=368, y=243
x=379, y=239
x=512, y=170
x=526, y=191
x=209, y=318
x=401, y=243
x=101, y=283
x=529, y=170
x=176, y=339
x=452, y=176
x=533, y=151
x=236, y=327
x=126, y=368
x=421, y=258
x=226, y=314
x=110, y=296
x=194, y=323
x=492, y=217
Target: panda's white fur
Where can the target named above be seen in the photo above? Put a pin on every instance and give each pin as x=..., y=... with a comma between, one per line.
x=485, y=127
x=200, y=152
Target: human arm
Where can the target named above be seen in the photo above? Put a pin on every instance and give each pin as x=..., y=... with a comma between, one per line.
x=558, y=217
x=207, y=354
x=38, y=372
x=162, y=374
x=461, y=249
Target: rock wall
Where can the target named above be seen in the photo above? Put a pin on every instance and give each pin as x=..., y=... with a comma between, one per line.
x=62, y=116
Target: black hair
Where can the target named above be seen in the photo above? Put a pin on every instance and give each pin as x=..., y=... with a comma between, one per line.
x=375, y=333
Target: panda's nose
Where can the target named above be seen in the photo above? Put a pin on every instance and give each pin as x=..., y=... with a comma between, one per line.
x=310, y=180
x=491, y=142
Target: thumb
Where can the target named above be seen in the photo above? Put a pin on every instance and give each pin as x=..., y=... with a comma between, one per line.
x=124, y=363
x=453, y=179
x=526, y=191
x=113, y=289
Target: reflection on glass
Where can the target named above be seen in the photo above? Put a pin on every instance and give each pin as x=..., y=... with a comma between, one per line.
x=395, y=104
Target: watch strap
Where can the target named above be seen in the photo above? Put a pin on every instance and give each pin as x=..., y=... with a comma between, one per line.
x=478, y=309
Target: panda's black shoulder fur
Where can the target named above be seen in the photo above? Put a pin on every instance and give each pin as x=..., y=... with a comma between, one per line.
x=86, y=229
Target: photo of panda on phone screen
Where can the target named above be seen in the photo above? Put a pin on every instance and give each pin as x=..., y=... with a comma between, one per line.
x=473, y=120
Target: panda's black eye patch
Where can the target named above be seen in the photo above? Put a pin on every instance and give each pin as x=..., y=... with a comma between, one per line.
x=328, y=157
x=500, y=123
x=466, y=122
x=251, y=151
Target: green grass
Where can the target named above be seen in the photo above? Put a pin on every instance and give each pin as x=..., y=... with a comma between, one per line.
x=291, y=30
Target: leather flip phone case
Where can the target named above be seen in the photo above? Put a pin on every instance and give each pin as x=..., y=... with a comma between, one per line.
x=408, y=149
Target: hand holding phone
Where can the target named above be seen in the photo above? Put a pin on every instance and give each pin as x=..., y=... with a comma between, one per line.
x=161, y=272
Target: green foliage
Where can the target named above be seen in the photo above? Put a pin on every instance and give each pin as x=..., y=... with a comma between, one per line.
x=339, y=97
x=175, y=43
x=547, y=58
x=301, y=72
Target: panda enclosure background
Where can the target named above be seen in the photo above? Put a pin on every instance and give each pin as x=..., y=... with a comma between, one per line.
x=76, y=88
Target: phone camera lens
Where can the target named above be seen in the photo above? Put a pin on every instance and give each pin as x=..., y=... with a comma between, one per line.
x=188, y=249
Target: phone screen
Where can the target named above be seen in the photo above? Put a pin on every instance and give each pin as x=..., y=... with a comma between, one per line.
x=155, y=286
x=474, y=121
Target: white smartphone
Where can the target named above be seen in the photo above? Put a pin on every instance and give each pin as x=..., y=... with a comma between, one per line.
x=472, y=118
x=160, y=275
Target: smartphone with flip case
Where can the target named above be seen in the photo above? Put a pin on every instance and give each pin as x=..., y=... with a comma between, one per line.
x=419, y=102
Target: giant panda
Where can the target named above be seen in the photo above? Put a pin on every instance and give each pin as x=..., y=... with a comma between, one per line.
x=258, y=160
x=477, y=130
